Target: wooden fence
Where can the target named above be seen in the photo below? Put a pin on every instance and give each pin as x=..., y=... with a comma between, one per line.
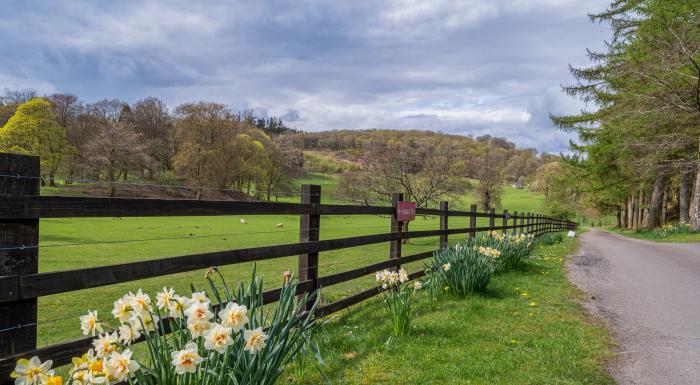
x=21, y=283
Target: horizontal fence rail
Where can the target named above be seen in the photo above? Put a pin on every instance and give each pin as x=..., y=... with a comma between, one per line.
x=21, y=284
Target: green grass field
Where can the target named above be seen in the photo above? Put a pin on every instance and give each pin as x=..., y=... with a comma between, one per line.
x=79, y=243
x=495, y=338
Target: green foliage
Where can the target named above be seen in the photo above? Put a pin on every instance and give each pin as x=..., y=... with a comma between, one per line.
x=34, y=130
x=327, y=164
x=550, y=238
x=462, y=269
x=512, y=248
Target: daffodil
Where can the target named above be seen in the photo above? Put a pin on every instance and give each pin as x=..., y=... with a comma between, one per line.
x=89, y=324
x=446, y=266
x=120, y=365
x=128, y=333
x=218, y=338
x=32, y=371
x=200, y=297
x=164, y=297
x=105, y=344
x=141, y=302
x=417, y=285
x=254, y=340
x=197, y=328
x=199, y=312
x=54, y=380
x=234, y=316
x=187, y=359
x=123, y=308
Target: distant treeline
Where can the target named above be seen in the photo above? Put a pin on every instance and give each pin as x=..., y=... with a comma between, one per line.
x=206, y=144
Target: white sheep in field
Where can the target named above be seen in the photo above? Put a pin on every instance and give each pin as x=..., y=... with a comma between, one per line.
x=243, y=222
x=279, y=225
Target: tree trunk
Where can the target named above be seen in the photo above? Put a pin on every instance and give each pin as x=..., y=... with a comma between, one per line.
x=625, y=215
x=640, y=211
x=619, y=217
x=684, y=196
x=635, y=212
x=664, y=203
x=630, y=212
x=694, y=214
x=656, y=201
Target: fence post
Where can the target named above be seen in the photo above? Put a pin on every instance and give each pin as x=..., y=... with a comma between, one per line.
x=472, y=221
x=505, y=221
x=19, y=256
x=521, y=229
x=444, y=206
x=309, y=225
x=492, y=220
x=515, y=222
x=396, y=227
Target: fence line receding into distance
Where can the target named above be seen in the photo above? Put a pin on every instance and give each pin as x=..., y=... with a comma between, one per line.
x=21, y=283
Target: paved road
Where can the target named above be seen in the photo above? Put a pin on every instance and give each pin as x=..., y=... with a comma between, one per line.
x=649, y=294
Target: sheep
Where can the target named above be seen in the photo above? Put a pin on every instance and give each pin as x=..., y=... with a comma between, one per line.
x=279, y=225
x=243, y=222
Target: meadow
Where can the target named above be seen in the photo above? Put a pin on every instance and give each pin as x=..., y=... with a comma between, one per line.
x=78, y=243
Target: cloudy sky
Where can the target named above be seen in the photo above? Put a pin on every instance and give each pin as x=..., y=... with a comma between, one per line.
x=469, y=67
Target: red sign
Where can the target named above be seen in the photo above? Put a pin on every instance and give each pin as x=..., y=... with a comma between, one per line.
x=406, y=211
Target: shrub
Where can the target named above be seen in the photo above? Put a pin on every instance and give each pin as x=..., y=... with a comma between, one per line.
x=398, y=297
x=233, y=342
x=513, y=248
x=462, y=269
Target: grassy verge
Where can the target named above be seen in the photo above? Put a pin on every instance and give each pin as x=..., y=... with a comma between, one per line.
x=652, y=236
x=496, y=338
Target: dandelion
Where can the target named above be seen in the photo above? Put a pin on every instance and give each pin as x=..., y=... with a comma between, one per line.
x=32, y=371
x=446, y=267
x=234, y=316
x=187, y=359
x=533, y=304
x=446, y=289
x=121, y=364
x=217, y=338
x=89, y=323
x=254, y=340
x=524, y=294
x=164, y=297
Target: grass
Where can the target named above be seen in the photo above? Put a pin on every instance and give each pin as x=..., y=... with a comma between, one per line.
x=652, y=236
x=79, y=243
x=494, y=338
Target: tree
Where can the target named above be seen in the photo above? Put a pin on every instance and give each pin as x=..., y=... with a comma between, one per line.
x=115, y=152
x=150, y=118
x=488, y=169
x=33, y=130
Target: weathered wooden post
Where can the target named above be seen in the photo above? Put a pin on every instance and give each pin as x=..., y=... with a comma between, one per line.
x=515, y=222
x=521, y=229
x=19, y=255
x=396, y=227
x=505, y=221
x=309, y=225
x=444, y=207
x=492, y=220
x=472, y=221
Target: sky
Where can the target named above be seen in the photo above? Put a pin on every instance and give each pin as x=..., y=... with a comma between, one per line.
x=470, y=67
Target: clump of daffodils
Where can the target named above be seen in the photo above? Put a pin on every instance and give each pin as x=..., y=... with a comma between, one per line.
x=672, y=228
x=209, y=340
x=398, y=297
x=489, y=252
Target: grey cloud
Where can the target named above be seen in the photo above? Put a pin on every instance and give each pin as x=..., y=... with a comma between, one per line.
x=472, y=67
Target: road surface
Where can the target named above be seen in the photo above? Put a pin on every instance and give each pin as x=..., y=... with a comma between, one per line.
x=649, y=295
